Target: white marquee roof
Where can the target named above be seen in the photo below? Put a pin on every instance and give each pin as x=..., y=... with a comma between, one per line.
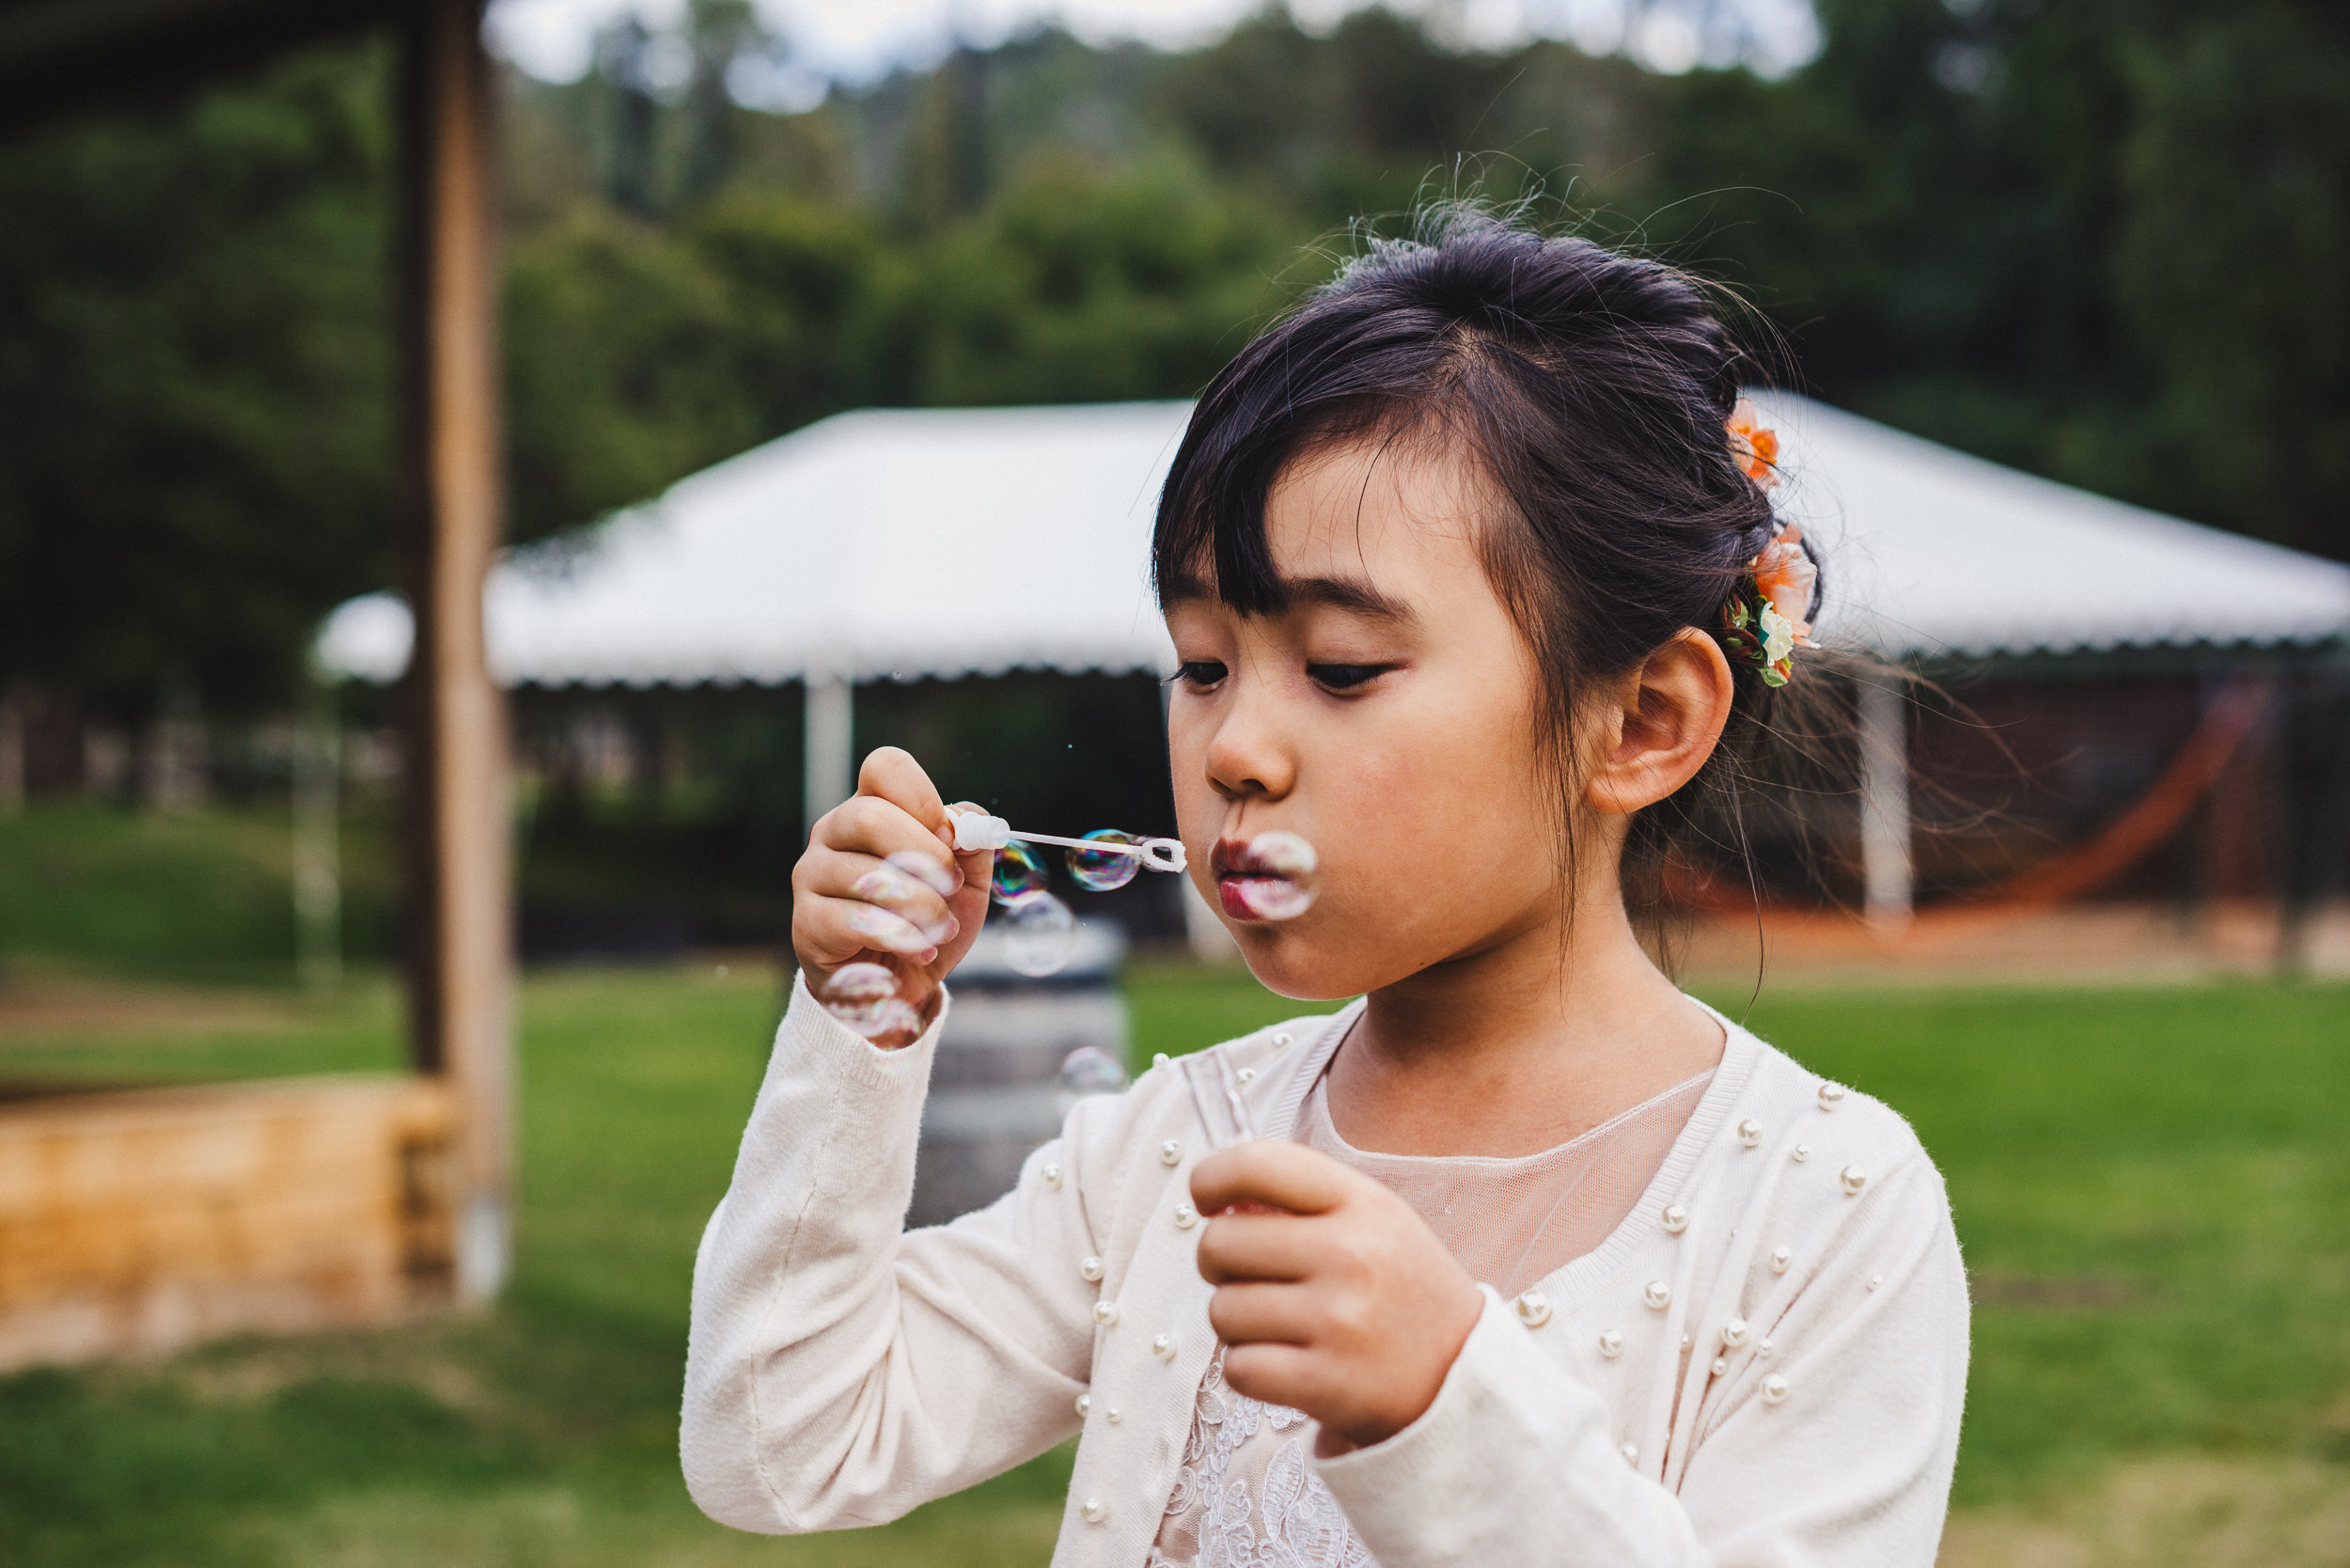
x=954, y=541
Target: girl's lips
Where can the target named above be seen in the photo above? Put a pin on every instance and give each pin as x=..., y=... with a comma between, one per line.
x=1243, y=897
x=1260, y=878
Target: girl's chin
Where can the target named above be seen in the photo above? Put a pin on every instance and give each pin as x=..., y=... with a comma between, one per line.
x=1288, y=962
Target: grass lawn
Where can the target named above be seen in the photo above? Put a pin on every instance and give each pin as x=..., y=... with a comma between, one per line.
x=2152, y=1184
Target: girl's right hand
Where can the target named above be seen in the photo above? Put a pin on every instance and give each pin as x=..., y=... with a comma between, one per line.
x=850, y=905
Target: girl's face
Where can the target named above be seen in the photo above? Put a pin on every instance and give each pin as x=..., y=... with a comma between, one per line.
x=1388, y=718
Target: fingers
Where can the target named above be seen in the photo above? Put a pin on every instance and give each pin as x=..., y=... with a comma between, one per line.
x=1260, y=1313
x=871, y=851
x=834, y=931
x=876, y=826
x=1286, y=1175
x=880, y=880
x=913, y=886
x=891, y=775
x=1282, y=1374
x=1252, y=1246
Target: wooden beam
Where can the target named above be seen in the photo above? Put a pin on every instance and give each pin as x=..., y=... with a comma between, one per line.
x=460, y=901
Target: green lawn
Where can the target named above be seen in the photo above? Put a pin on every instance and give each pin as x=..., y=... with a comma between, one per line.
x=199, y=895
x=2153, y=1188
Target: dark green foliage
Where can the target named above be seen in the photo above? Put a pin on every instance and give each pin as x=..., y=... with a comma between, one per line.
x=194, y=397
x=2104, y=241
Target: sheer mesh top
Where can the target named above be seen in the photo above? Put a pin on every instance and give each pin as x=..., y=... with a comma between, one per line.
x=1245, y=1494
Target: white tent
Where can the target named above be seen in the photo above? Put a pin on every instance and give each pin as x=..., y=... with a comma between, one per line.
x=889, y=542
x=902, y=543
x=909, y=542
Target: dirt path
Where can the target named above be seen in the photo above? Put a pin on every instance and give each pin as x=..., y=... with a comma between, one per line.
x=2091, y=943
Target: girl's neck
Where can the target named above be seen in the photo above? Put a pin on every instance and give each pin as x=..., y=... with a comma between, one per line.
x=1521, y=1046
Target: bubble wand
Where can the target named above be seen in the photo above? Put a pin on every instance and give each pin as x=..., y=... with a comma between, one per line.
x=974, y=830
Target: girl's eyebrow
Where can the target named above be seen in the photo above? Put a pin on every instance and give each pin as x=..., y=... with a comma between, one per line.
x=1352, y=594
x=1348, y=594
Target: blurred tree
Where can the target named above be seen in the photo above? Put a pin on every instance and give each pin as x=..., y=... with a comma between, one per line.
x=196, y=437
x=619, y=353
x=1078, y=287
x=625, y=68
x=2102, y=240
x=720, y=33
x=2097, y=241
x=2231, y=261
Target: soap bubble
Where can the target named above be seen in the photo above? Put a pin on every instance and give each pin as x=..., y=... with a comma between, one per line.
x=864, y=997
x=1087, y=1069
x=928, y=870
x=1019, y=874
x=891, y=887
x=1097, y=872
x=1040, y=934
x=1276, y=878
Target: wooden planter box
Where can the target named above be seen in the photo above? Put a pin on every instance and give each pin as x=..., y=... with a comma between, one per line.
x=136, y=1222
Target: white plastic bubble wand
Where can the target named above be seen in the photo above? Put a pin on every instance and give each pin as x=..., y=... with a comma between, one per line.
x=976, y=830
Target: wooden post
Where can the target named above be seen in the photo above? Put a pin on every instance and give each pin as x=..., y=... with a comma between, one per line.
x=460, y=889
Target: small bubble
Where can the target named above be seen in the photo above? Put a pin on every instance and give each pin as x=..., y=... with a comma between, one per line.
x=1040, y=934
x=1278, y=877
x=1086, y=1071
x=928, y=870
x=1019, y=874
x=864, y=997
x=1098, y=872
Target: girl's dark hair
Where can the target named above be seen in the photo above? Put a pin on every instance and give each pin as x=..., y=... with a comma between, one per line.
x=1593, y=389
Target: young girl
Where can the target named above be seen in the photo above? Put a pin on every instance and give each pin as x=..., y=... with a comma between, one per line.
x=1475, y=588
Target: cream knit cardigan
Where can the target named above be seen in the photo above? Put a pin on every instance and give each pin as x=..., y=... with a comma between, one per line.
x=1763, y=1365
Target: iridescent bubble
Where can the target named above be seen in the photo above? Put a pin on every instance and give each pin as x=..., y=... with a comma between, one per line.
x=1276, y=878
x=1098, y=871
x=1086, y=1071
x=1040, y=934
x=1019, y=874
x=864, y=997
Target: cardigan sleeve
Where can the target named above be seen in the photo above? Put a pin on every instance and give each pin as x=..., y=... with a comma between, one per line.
x=1516, y=1461
x=841, y=1371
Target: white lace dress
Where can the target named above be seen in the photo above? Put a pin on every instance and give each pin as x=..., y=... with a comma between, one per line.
x=1246, y=1496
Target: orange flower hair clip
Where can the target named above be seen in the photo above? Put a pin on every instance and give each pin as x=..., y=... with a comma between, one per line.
x=1764, y=622
x=1753, y=445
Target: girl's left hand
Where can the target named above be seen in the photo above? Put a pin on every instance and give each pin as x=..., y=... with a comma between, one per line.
x=1344, y=1305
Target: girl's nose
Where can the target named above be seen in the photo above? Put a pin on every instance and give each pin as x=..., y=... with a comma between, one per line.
x=1246, y=755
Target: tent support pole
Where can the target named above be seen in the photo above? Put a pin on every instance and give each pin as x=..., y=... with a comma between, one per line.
x=461, y=894
x=829, y=749
x=1210, y=941
x=1888, y=872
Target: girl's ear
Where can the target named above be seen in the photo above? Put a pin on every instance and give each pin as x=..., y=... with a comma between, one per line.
x=1673, y=710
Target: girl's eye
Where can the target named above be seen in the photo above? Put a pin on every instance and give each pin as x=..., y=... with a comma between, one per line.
x=1345, y=677
x=1200, y=672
